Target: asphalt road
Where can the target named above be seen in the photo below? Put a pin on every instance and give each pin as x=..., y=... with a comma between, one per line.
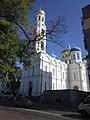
x=12, y=113
x=37, y=112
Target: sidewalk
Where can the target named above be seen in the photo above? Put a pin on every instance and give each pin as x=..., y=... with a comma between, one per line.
x=61, y=108
x=40, y=106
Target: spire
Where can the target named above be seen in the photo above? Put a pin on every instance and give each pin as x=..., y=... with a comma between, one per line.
x=68, y=45
x=40, y=7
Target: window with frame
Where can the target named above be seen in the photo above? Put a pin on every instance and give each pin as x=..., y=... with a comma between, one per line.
x=78, y=57
x=74, y=56
x=69, y=61
x=38, y=44
x=53, y=72
x=42, y=45
x=43, y=31
x=65, y=61
x=39, y=18
x=42, y=19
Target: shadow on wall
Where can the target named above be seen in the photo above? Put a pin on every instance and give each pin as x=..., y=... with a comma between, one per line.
x=45, y=84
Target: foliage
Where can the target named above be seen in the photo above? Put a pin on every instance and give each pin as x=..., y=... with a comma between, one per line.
x=10, y=46
x=11, y=12
x=15, y=10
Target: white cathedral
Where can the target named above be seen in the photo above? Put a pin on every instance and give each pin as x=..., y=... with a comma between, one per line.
x=49, y=73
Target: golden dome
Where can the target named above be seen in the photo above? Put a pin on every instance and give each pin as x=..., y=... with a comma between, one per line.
x=40, y=11
x=66, y=52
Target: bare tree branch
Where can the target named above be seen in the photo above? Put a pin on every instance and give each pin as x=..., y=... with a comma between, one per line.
x=55, y=30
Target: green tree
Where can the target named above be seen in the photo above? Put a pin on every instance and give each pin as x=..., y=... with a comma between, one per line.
x=12, y=14
x=15, y=10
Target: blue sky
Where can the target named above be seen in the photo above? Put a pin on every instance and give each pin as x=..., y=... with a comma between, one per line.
x=71, y=10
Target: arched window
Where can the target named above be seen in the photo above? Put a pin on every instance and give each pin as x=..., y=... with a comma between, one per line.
x=74, y=56
x=43, y=32
x=42, y=19
x=78, y=57
x=38, y=44
x=65, y=61
x=69, y=61
x=42, y=46
x=53, y=72
x=39, y=18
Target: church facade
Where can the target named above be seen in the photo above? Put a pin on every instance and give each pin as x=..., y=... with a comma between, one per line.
x=49, y=73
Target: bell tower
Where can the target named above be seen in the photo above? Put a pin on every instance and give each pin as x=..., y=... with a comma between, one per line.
x=40, y=31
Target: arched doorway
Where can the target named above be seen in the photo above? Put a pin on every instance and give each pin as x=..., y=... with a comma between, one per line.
x=75, y=87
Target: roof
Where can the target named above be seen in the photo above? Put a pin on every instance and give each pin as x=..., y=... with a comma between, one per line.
x=75, y=49
x=40, y=11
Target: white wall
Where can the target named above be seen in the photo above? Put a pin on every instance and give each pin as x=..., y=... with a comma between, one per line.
x=52, y=74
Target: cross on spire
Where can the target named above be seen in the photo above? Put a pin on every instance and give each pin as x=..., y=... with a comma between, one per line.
x=40, y=7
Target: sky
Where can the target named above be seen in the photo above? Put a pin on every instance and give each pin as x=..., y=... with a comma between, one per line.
x=71, y=10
